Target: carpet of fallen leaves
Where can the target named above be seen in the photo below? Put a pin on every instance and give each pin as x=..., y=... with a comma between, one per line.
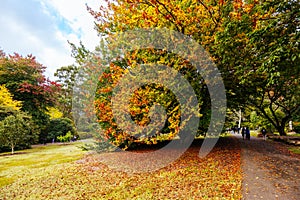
x=217, y=176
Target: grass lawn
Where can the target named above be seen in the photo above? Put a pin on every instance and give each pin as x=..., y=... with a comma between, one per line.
x=64, y=172
x=40, y=157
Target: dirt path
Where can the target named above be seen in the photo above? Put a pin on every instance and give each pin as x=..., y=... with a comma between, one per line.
x=270, y=171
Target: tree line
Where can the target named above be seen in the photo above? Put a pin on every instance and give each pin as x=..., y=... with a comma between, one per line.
x=254, y=44
x=30, y=111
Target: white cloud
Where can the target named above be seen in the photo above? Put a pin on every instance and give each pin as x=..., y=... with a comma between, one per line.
x=42, y=28
x=78, y=18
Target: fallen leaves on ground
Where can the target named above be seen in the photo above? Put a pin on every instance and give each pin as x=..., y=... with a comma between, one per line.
x=217, y=176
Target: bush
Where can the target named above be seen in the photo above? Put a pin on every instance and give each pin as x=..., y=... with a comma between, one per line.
x=60, y=127
x=66, y=138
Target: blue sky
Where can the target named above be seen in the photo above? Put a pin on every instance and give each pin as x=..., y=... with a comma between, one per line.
x=43, y=27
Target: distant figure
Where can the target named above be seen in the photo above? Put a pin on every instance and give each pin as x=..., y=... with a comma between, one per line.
x=291, y=125
x=247, y=132
x=264, y=133
x=236, y=130
x=232, y=130
x=243, y=132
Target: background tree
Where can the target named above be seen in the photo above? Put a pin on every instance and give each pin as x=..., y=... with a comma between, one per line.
x=8, y=106
x=23, y=76
x=66, y=77
x=296, y=122
x=15, y=130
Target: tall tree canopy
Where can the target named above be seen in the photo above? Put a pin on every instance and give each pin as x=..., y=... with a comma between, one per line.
x=198, y=19
x=255, y=45
x=182, y=16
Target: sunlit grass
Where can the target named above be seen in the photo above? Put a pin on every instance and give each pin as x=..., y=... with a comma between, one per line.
x=22, y=162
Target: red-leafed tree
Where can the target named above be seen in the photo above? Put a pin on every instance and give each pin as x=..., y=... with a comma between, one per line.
x=23, y=76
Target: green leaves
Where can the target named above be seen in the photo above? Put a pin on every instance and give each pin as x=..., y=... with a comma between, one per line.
x=260, y=60
x=67, y=78
x=14, y=130
x=59, y=127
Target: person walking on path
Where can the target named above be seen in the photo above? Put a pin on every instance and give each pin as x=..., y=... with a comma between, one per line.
x=243, y=132
x=264, y=133
x=247, y=132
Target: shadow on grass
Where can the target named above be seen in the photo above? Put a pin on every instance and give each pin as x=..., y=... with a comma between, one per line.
x=10, y=154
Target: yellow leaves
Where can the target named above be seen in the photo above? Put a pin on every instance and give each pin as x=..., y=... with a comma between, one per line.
x=248, y=8
x=105, y=90
x=54, y=113
x=235, y=15
x=6, y=99
x=190, y=17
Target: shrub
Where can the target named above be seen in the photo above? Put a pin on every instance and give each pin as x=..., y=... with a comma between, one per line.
x=60, y=127
x=66, y=138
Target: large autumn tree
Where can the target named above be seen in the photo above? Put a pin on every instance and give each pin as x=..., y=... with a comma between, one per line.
x=200, y=20
x=255, y=45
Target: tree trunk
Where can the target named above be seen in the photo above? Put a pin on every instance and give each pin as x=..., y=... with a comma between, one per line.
x=281, y=130
x=12, y=149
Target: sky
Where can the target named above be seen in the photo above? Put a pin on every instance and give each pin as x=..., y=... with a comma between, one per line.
x=44, y=27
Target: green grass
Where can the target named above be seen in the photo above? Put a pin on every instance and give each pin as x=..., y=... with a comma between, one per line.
x=35, y=159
